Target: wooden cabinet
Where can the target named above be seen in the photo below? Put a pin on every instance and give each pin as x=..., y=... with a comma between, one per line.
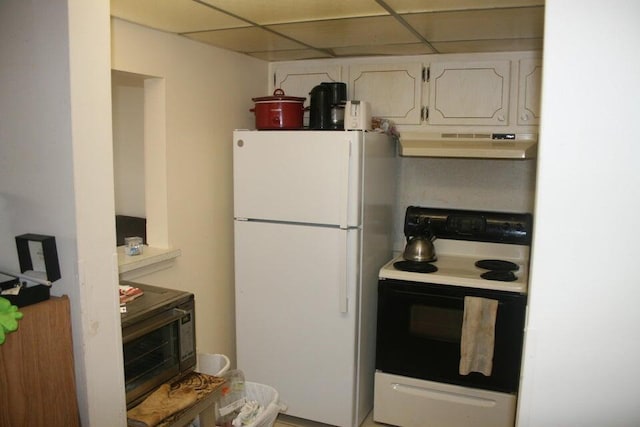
x=37, y=380
x=394, y=90
x=530, y=78
x=469, y=93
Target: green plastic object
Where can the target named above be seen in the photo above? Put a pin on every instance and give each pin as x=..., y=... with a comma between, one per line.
x=9, y=316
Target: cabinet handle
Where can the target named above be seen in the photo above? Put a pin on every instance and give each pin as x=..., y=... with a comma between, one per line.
x=524, y=117
x=501, y=118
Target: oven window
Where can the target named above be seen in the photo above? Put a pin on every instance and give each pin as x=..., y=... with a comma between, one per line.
x=436, y=323
x=151, y=355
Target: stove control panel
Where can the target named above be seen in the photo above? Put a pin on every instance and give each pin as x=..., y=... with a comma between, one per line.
x=482, y=226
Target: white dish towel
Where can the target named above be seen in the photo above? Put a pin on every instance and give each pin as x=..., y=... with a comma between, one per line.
x=478, y=335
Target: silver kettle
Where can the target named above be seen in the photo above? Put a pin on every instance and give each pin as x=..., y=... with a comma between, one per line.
x=420, y=248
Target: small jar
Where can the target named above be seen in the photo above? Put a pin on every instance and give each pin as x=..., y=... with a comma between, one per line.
x=133, y=245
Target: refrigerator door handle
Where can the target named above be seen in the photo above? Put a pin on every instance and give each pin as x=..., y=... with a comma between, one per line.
x=344, y=188
x=351, y=264
x=343, y=296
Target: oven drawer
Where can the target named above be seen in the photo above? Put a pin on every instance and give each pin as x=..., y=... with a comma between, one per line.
x=410, y=402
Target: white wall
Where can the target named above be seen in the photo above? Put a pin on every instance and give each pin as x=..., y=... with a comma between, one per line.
x=56, y=175
x=582, y=348
x=208, y=94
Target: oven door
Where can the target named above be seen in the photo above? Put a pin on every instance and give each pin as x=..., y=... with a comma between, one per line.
x=420, y=327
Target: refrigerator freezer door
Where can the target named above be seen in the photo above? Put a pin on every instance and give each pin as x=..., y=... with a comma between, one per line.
x=296, y=315
x=308, y=177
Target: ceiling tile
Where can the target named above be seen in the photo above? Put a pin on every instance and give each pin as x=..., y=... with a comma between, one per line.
x=348, y=32
x=479, y=24
x=344, y=28
x=416, y=6
x=289, y=55
x=282, y=11
x=175, y=16
x=389, y=50
x=504, y=45
x=250, y=39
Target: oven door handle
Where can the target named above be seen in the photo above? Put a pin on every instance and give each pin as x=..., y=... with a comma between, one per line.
x=428, y=295
x=152, y=324
x=458, y=299
x=443, y=395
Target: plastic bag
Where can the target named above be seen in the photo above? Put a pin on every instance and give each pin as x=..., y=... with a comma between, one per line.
x=232, y=399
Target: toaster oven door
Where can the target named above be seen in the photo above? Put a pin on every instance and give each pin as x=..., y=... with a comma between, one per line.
x=152, y=353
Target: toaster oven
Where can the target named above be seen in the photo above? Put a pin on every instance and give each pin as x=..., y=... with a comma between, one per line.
x=159, y=340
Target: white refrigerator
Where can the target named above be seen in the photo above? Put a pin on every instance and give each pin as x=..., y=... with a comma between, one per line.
x=313, y=220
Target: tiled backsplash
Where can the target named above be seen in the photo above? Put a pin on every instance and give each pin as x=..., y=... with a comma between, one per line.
x=485, y=184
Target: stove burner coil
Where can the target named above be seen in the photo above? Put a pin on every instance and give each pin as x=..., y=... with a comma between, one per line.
x=497, y=265
x=501, y=276
x=499, y=270
x=415, y=266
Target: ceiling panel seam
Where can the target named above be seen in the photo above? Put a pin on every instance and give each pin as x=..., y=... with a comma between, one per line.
x=256, y=25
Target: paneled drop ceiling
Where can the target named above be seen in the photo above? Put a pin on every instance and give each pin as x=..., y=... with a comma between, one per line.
x=284, y=30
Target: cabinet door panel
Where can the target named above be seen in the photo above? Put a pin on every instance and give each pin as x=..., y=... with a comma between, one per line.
x=37, y=377
x=529, y=91
x=393, y=90
x=470, y=93
x=298, y=81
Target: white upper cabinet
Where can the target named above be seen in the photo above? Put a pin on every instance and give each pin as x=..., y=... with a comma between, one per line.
x=469, y=93
x=530, y=78
x=299, y=80
x=440, y=93
x=394, y=90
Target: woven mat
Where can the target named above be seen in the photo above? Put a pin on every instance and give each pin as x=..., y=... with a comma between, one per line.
x=170, y=401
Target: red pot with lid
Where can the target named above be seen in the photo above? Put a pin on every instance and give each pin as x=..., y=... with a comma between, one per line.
x=278, y=111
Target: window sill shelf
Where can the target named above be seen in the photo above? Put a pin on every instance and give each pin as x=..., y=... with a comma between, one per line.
x=151, y=260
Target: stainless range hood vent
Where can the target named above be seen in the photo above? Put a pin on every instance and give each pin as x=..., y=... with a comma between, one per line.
x=469, y=145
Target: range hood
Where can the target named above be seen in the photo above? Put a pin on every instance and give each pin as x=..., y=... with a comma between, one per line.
x=469, y=145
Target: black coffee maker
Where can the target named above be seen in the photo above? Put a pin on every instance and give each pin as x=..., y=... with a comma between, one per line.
x=327, y=106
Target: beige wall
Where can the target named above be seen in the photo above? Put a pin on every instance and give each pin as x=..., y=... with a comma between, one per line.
x=127, y=97
x=208, y=94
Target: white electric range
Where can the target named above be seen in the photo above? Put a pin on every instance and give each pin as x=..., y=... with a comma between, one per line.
x=428, y=368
